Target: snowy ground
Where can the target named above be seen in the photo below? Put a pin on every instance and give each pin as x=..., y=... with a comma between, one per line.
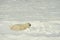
x=44, y=16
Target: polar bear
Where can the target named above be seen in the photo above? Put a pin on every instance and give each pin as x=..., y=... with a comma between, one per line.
x=18, y=27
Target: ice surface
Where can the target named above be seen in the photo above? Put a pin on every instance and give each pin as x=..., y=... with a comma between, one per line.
x=44, y=15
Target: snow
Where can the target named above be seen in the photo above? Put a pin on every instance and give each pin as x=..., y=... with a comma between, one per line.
x=44, y=16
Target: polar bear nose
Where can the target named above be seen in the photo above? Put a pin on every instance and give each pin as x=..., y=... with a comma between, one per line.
x=29, y=24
